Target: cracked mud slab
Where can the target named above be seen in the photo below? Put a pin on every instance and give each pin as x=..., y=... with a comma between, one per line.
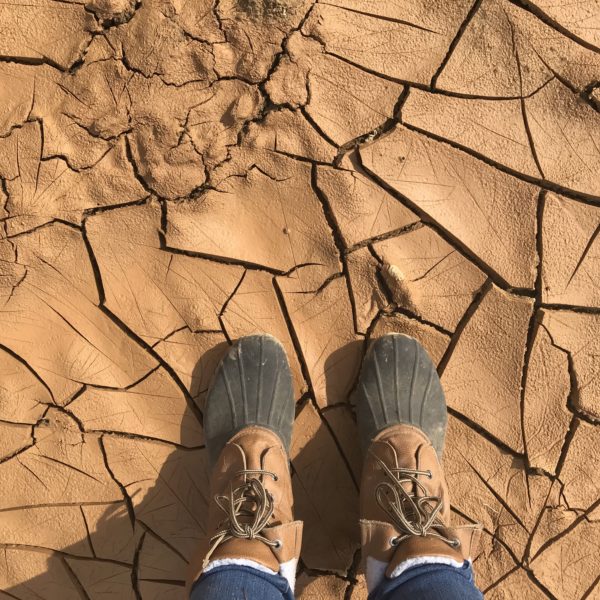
x=176, y=175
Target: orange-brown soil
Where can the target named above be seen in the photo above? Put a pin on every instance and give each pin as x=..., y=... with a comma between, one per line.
x=177, y=174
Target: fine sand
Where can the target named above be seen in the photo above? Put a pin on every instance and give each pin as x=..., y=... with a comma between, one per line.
x=175, y=174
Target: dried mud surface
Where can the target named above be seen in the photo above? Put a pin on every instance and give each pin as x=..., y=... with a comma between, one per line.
x=177, y=174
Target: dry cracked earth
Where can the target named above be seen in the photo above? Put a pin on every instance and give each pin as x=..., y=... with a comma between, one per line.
x=176, y=174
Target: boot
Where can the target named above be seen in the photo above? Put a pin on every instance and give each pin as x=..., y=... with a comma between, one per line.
x=248, y=425
x=404, y=500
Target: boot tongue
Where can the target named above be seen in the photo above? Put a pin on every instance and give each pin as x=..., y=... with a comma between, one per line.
x=248, y=549
x=250, y=453
x=408, y=448
x=252, y=550
x=420, y=547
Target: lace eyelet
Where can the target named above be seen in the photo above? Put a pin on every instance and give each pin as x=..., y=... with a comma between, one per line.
x=429, y=474
x=394, y=541
x=456, y=543
x=275, y=478
x=278, y=544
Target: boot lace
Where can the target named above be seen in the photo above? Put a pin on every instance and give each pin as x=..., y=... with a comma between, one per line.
x=412, y=514
x=248, y=509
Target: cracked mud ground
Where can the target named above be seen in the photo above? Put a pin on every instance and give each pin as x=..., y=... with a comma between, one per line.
x=178, y=173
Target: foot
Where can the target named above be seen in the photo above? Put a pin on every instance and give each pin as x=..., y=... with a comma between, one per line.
x=404, y=501
x=248, y=424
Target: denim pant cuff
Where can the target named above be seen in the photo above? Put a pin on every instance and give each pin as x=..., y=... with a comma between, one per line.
x=424, y=582
x=237, y=582
x=430, y=582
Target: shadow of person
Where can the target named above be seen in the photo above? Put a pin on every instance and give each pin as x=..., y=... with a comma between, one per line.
x=325, y=457
x=110, y=514
x=105, y=513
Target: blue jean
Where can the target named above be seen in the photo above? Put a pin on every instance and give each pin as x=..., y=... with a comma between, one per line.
x=425, y=582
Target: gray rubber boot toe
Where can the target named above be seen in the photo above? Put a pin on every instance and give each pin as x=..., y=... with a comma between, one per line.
x=252, y=386
x=399, y=383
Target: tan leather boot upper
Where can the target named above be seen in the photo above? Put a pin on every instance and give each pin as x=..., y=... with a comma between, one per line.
x=405, y=506
x=251, y=509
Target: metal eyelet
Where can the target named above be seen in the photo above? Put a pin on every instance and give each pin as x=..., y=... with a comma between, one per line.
x=394, y=541
x=456, y=543
x=278, y=544
x=429, y=474
x=275, y=478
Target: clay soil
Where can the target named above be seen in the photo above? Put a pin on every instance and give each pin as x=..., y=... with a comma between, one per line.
x=175, y=174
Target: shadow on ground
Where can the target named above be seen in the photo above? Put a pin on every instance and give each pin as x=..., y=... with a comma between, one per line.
x=139, y=545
